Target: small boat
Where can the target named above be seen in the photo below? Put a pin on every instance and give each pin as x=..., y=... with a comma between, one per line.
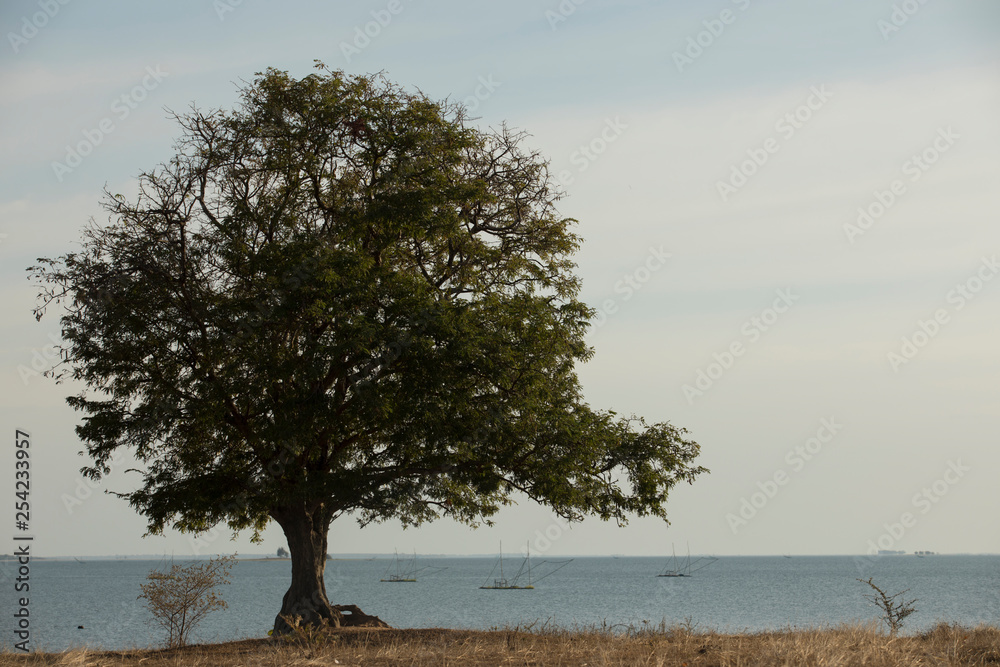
x=687, y=568
x=523, y=574
x=400, y=573
x=502, y=584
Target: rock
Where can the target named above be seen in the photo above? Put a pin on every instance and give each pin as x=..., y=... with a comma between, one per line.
x=352, y=617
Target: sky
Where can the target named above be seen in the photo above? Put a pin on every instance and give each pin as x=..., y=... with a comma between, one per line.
x=789, y=212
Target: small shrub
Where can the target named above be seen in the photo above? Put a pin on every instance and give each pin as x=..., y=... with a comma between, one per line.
x=181, y=598
x=894, y=607
x=311, y=638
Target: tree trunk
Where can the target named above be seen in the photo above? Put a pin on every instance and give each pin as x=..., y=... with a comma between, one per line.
x=306, y=531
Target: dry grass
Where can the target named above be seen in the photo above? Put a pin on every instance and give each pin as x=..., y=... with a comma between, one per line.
x=844, y=646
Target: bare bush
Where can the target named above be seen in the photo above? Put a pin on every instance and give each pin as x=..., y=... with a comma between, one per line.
x=894, y=607
x=181, y=598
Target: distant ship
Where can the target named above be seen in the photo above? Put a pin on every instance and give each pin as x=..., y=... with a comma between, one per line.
x=401, y=574
x=688, y=568
x=523, y=573
x=890, y=552
x=398, y=573
x=924, y=553
x=502, y=584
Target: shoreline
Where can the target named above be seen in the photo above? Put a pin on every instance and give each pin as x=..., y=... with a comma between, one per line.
x=148, y=558
x=605, y=645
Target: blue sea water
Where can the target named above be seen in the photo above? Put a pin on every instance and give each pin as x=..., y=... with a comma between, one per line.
x=735, y=594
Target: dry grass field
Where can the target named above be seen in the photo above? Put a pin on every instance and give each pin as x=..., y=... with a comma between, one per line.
x=845, y=646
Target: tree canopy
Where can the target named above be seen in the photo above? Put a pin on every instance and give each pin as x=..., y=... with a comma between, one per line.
x=342, y=298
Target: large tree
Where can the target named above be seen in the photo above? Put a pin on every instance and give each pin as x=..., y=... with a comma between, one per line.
x=341, y=298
